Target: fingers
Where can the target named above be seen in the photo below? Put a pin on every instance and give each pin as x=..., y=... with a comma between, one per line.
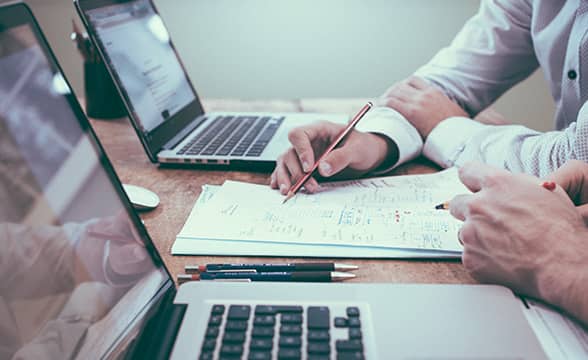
x=476, y=175
x=336, y=161
x=459, y=205
x=281, y=177
x=129, y=260
x=418, y=83
x=571, y=177
x=288, y=171
x=301, y=139
x=583, y=210
x=404, y=92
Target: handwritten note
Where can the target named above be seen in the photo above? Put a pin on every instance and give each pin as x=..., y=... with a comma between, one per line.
x=394, y=212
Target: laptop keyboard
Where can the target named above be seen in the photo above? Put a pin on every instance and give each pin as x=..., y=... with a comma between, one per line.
x=234, y=136
x=282, y=332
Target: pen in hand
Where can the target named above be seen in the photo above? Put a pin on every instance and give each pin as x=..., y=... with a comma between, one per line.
x=296, y=187
x=547, y=185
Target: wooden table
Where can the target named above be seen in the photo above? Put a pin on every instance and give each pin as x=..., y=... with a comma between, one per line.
x=179, y=189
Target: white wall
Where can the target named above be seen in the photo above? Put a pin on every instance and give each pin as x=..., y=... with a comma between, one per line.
x=305, y=48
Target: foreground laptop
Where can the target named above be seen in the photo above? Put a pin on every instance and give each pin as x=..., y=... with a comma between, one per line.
x=81, y=278
x=161, y=101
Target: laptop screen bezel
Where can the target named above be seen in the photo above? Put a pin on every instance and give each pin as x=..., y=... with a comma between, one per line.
x=153, y=141
x=17, y=14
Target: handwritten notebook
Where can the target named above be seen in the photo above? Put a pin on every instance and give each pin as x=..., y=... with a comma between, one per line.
x=381, y=217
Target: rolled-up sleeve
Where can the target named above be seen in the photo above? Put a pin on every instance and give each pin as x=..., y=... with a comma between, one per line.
x=513, y=147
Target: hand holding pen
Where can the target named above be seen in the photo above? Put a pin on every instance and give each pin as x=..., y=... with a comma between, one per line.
x=355, y=154
x=296, y=187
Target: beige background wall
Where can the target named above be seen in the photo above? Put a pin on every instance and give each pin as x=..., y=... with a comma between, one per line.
x=305, y=48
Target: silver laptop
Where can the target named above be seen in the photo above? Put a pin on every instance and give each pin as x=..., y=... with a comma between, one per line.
x=161, y=101
x=81, y=279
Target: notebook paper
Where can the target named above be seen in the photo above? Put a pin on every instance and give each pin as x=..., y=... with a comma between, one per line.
x=392, y=212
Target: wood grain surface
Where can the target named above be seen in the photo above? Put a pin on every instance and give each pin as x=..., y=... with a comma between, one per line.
x=178, y=189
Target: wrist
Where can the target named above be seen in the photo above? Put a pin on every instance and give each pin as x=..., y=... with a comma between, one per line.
x=563, y=280
x=427, y=130
x=387, y=152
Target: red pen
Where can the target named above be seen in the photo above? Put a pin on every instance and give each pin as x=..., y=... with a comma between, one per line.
x=294, y=189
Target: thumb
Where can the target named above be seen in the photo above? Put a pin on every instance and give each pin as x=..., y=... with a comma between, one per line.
x=583, y=210
x=335, y=162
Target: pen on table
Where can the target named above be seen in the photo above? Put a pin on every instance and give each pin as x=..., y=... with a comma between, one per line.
x=296, y=187
x=303, y=276
x=548, y=185
x=295, y=267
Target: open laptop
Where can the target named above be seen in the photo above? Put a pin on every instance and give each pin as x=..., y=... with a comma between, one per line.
x=162, y=103
x=82, y=279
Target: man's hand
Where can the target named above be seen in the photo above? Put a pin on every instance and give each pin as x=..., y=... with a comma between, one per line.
x=360, y=153
x=573, y=178
x=422, y=104
x=518, y=234
x=110, y=248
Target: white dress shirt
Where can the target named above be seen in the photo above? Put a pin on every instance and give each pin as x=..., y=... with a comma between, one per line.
x=500, y=46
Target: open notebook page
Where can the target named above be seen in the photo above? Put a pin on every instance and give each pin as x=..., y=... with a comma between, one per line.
x=396, y=212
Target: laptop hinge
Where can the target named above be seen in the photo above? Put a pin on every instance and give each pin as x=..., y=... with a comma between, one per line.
x=184, y=133
x=159, y=335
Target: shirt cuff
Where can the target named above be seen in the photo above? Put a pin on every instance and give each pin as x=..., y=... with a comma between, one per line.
x=390, y=123
x=448, y=140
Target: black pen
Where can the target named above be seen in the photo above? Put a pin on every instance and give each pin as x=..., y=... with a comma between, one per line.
x=304, y=276
x=269, y=267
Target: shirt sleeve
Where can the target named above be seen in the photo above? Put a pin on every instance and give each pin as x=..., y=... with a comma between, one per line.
x=458, y=140
x=390, y=123
x=493, y=51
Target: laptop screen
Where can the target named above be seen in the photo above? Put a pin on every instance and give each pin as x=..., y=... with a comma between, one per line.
x=141, y=55
x=76, y=273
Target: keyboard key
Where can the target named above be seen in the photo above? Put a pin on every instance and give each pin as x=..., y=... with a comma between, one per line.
x=218, y=310
x=212, y=332
x=261, y=344
x=239, y=312
x=206, y=355
x=353, y=311
x=290, y=341
x=340, y=322
x=236, y=326
x=354, y=322
x=321, y=348
x=318, y=357
x=264, y=320
x=318, y=335
x=355, y=334
x=234, y=337
x=349, y=345
x=260, y=355
x=290, y=330
x=215, y=320
x=231, y=350
x=291, y=319
x=350, y=356
x=289, y=354
x=264, y=331
x=318, y=317
x=209, y=345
